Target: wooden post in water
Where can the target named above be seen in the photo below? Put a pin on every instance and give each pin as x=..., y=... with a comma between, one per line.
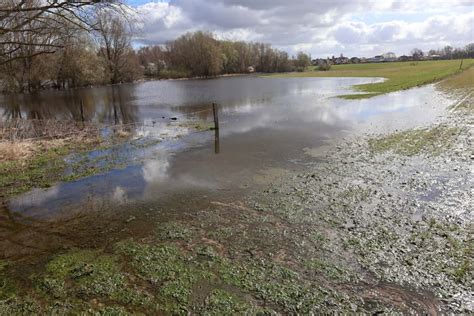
x=215, y=111
x=216, y=116
x=82, y=113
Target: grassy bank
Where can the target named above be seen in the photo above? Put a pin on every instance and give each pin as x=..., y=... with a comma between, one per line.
x=461, y=87
x=399, y=75
x=37, y=164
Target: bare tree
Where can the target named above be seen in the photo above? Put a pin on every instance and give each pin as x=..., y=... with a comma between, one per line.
x=38, y=24
x=417, y=53
x=114, y=38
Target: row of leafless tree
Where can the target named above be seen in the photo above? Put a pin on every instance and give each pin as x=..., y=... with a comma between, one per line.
x=447, y=52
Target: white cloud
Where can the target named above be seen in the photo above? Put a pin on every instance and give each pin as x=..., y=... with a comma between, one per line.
x=325, y=27
x=400, y=36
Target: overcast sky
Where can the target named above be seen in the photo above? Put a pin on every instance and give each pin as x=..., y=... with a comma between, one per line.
x=322, y=28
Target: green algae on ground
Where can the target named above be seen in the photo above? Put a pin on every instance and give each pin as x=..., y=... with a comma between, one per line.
x=220, y=302
x=88, y=273
x=274, y=283
x=41, y=171
x=7, y=287
x=166, y=268
x=19, y=306
x=413, y=142
x=173, y=231
x=446, y=240
x=331, y=271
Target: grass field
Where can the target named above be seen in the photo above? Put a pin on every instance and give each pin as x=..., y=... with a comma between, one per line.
x=399, y=75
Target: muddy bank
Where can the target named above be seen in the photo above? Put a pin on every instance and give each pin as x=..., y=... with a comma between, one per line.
x=398, y=206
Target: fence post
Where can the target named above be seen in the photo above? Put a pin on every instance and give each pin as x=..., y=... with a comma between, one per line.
x=82, y=111
x=216, y=128
x=216, y=116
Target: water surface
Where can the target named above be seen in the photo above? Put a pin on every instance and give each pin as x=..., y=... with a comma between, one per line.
x=266, y=126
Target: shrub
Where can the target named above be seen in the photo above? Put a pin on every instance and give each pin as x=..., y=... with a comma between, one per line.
x=324, y=67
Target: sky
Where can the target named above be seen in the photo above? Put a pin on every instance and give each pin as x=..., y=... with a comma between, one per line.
x=322, y=28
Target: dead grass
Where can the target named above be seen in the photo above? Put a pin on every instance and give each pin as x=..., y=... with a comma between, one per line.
x=24, y=150
x=37, y=163
x=21, y=129
x=21, y=140
x=17, y=151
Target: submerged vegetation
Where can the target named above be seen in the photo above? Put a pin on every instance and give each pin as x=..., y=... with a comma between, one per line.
x=398, y=75
x=43, y=165
x=70, y=153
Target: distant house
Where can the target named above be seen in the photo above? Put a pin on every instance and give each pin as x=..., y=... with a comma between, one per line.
x=319, y=61
x=340, y=60
x=435, y=57
x=376, y=59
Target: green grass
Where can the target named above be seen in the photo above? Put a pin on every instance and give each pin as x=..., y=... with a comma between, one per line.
x=399, y=75
x=86, y=274
x=220, y=302
x=412, y=142
x=461, y=86
x=40, y=171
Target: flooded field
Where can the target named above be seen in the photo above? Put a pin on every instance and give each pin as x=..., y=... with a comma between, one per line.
x=266, y=125
x=301, y=202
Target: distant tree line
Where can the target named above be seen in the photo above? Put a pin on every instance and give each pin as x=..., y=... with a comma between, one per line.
x=448, y=52
x=199, y=54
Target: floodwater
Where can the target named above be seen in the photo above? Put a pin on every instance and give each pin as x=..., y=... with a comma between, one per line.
x=267, y=125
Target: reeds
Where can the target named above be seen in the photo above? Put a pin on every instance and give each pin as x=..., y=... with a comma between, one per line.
x=17, y=130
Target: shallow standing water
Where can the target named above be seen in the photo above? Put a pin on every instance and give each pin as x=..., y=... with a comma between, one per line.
x=266, y=127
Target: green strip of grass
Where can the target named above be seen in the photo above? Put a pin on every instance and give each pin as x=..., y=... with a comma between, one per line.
x=40, y=171
x=399, y=75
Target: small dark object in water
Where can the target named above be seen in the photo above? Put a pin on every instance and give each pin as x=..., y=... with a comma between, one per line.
x=173, y=118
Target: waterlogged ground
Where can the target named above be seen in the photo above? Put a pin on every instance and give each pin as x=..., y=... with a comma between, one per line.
x=315, y=205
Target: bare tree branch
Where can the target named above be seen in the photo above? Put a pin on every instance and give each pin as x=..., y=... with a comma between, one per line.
x=39, y=24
